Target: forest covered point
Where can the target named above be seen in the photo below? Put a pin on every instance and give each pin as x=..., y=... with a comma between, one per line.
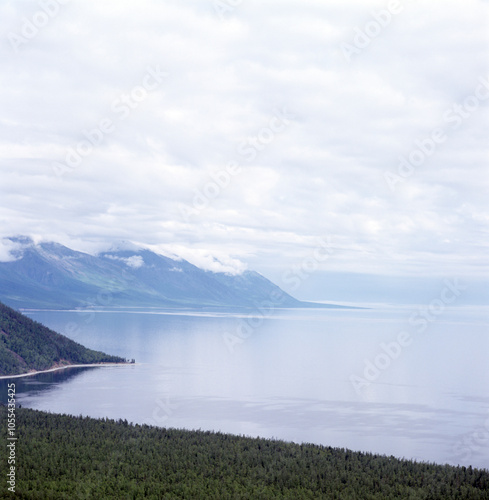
x=82, y=457
x=28, y=346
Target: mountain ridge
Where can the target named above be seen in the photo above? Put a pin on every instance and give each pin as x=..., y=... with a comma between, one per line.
x=49, y=275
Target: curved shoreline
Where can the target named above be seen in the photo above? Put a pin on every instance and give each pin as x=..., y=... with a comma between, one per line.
x=2, y=377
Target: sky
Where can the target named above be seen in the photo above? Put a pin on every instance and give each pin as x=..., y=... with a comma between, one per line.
x=304, y=139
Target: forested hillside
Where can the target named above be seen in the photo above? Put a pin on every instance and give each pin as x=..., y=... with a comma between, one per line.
x=80, y=457
x=26, y=345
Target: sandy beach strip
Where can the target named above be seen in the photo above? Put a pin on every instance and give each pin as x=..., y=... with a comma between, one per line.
x=92, y=365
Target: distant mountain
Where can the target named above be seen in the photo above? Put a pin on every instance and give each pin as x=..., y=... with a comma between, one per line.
x=26, y=345
x=51, y=276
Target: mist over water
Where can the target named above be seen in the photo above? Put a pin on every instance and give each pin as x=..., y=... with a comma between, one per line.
x=332, y=377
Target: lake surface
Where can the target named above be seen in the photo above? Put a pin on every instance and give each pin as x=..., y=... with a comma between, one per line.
x=365, y=379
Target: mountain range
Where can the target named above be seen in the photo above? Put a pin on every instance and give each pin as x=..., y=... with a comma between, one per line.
x=51, y=276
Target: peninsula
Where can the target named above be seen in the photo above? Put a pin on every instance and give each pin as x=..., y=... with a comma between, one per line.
x=27, y=346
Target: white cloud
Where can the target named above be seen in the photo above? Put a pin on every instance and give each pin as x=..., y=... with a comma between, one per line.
x=321, y=175
x=135, y=261
x=7, y=250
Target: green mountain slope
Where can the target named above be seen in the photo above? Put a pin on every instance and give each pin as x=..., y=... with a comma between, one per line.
x=52, y=276
x=26, y=345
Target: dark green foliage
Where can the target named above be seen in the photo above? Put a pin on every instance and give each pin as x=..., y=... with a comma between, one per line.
x=78, y=457
x=27, y=345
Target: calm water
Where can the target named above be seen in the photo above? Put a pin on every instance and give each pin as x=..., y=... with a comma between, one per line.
x=287, y=376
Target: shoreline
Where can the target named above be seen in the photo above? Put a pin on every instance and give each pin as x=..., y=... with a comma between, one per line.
x=2, y=377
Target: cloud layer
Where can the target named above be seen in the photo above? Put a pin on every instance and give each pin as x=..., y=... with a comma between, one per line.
x=242, y=133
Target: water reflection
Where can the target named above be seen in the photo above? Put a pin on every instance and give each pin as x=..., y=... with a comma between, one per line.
x=290, y=378
x=36, y=385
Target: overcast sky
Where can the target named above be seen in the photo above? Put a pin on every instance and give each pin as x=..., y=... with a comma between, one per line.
x=263, y=134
